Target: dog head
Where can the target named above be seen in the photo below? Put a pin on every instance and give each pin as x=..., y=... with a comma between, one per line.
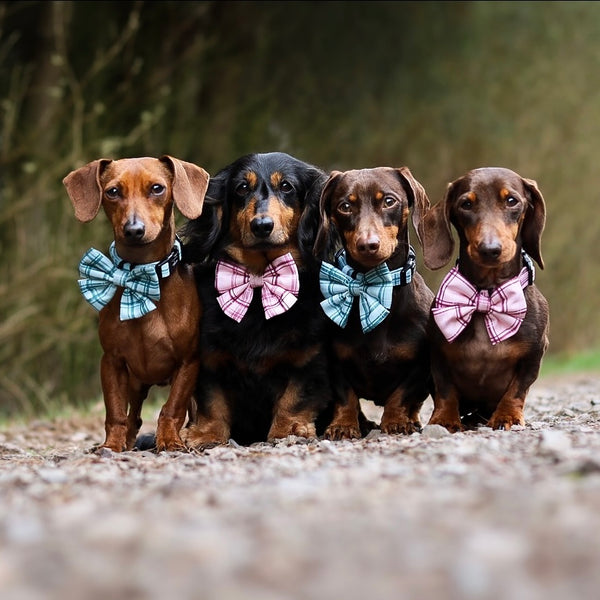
x=261, y=205
x=367, y=211
x=137, y=194
x=495, y=212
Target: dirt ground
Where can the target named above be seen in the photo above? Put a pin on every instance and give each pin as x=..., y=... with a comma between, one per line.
x=478, y=515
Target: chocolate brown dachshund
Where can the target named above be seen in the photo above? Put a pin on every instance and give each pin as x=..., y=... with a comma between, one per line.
x=377, y=303
x=149, y=307
x=489, y=322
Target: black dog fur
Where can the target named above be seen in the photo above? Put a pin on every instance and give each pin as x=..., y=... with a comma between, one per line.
x=261, y=379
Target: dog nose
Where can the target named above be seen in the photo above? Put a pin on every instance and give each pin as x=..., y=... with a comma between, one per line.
x=490, y=250
x=368, y=245
x=262, y=226
x=134, y=230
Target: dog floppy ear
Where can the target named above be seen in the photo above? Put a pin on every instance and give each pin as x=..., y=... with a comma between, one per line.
x=420, y=201
x=327, y=235
x=436, y=235
x=190, y=183
x=309, y=220
x=535, y=220
x=84, y=189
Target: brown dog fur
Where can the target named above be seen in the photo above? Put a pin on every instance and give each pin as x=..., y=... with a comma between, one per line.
x=137, y=195
x=496, y=214
x=367, y=212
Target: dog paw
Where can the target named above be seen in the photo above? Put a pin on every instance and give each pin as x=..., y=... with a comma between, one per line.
x=400, y=428
x=505, y=421
x=195, y=438
x=451, y=426
x=297, y=429
x=170, y=445
x=337, y=433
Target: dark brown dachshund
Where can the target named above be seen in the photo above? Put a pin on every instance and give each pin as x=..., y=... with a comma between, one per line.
x=494, y=319
x=377, y=334
x=149, y=307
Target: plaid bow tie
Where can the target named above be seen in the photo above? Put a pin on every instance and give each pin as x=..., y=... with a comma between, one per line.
x=280, y=286
x=374, y=290
x=504, y=308
x=141, y=283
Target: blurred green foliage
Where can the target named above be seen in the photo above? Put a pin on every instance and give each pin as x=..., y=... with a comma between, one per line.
x=441, y=87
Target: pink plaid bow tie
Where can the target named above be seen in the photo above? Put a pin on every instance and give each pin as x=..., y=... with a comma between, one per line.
x=279, y=282
x=457, y=300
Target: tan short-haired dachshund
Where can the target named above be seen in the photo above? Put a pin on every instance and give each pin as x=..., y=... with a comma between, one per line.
x=149, y=310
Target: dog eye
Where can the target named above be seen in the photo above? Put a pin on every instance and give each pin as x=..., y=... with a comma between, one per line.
x=157, y=189
x=466, y=205
x=286, y=186
x=344, y=207
x=389, y=201
x=112, y=192
x=242, y=189
x=511, y=201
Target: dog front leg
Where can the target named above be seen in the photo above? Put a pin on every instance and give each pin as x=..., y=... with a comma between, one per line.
x=212, y=422
x=446, y=411
x=509, y=411
x=173, y=413
x=400, y=416
x=117, y=397
x=288, y=419
x=345, y=422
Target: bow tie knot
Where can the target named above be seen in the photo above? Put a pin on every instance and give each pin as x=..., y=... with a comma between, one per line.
x=483, y=302
x=120, y=278
x=280, y=285
x=255, y=280
x=357, y=286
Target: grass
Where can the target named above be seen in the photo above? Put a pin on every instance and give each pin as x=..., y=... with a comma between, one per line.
x=559, y=364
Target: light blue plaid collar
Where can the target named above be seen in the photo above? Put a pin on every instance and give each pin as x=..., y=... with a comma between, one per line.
x=341, y=284
x=141, y=283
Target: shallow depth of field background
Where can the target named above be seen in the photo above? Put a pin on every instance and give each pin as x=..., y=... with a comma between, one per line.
x=441, y=87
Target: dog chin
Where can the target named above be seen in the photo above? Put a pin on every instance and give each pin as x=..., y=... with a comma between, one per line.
x=262, y=245
x=370, y=262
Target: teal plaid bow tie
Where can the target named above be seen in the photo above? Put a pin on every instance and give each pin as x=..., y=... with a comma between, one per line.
x=374, y=290
x=141, y=283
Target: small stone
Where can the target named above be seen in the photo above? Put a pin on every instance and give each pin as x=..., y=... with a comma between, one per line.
x=554, y=441
x=434, y=432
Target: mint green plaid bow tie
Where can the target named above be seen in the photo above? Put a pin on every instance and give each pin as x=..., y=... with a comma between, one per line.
x=141, y=283
x=374, y=290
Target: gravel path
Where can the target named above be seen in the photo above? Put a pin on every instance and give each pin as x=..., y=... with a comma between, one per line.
x=478, y=515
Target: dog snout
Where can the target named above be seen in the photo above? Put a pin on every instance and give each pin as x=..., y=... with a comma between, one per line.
x=368, y=244
x=134, y=230
x=262, y=226
x=490, y=250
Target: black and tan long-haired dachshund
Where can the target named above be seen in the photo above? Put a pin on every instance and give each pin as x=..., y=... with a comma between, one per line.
x=489, y=322
x=377, y=302
x=264, y=374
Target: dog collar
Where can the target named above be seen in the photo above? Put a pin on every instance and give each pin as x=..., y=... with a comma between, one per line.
x=402, y=276
x=527, y=273
x=164, y=268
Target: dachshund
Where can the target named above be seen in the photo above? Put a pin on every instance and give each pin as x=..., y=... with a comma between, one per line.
x=489, y=323
x=264, y=371
x=378, y=343
x=149, y=309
